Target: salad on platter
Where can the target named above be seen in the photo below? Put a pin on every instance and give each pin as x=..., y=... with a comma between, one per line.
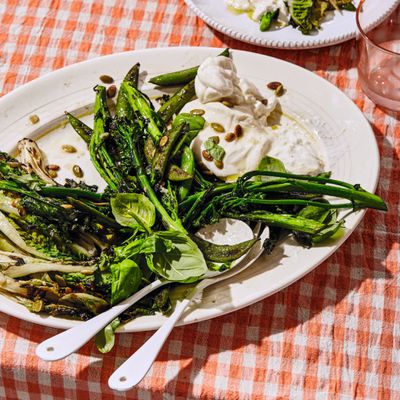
x=305, y=15
x=174, y=167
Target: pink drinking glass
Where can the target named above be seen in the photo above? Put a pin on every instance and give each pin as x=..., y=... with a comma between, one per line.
x=379, y=58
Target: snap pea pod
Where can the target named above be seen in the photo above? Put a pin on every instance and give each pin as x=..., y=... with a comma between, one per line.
x=80, y=127
x=326, y=216
x=140, y=103
x=177, y=174
x=163, y=153
x=328, y=232
x=188, y=165
x=132, y=76
x=196, y=124
x=176, y=102
x=223, y=253
x=179, y=77
x=316, y=213
x=122, y=108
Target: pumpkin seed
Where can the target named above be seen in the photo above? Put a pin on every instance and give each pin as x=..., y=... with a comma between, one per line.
x=230, y=137
x=217, y=127
x=206, y=155
x=197, y=111
x=34, y=119
x=68, y=148
x=238, y=131
x=77, y=170
x=277, y=87
x=53, y=167
x=106, y=79
x=219, y=164
x=111, y=91
x=164, y=141
x=52, y=174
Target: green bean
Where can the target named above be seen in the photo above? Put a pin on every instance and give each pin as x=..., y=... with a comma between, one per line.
x=179, y=77
x=80, y=127
x=176, y=102
x=175, y=78
x=188, y=165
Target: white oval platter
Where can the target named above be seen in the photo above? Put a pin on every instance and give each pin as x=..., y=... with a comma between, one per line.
x=319, y=106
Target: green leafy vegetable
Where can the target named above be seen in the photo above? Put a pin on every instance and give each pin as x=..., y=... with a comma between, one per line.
x=301, y=13
x=133, y=210
x=126, y=278
x=270, y=164
x=105, y=339
x=177, y=258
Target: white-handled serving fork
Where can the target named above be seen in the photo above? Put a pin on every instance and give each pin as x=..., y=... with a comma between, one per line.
x=133, y=370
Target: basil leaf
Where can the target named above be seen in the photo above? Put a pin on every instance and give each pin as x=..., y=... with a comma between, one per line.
x=105, y=339
x=133, y=210
x=177, y=258
x=270, y=164
x=126, y=278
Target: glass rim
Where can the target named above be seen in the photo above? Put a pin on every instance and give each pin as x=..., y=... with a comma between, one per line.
x=365, y=34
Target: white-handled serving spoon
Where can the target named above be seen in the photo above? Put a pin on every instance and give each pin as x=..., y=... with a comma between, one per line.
x=71, y=340
x=134, y=369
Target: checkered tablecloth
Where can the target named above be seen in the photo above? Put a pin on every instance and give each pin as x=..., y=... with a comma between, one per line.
x=335, y=334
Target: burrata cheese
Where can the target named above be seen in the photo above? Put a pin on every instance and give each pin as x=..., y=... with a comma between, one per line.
x=231, y=102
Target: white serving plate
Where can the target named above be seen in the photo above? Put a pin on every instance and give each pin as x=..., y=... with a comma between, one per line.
x=338, y=26
x=350, y=144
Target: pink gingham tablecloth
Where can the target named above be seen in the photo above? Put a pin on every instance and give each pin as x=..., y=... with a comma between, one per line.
x=335, y=334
